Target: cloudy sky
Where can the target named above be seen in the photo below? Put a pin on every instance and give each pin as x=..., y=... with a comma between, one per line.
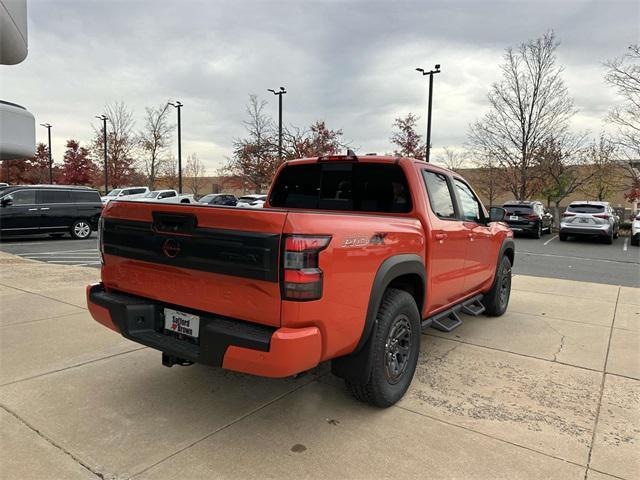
x=350, y=63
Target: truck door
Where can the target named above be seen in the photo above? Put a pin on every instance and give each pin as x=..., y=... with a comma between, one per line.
x=480, y=259
x=447, y=247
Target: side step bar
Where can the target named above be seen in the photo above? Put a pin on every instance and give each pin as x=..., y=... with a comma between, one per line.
x=449, y=320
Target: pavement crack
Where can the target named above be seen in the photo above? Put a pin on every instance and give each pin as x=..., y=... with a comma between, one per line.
x=54, y=444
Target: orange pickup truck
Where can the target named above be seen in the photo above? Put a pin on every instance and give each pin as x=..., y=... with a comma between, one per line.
x=349, y=260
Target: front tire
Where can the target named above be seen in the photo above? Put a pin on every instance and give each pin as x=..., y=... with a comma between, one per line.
x=80, y=230
x=635, y=240
x=562, y=237
x=394, y=347
x=497, y=300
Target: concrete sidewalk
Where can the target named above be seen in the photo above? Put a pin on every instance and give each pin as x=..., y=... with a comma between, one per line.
x=549, y=390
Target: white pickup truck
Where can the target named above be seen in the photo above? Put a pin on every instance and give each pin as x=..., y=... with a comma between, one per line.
x=165, y=196
x=128, y=193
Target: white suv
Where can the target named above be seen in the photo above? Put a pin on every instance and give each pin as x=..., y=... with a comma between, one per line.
x=635, y=231
x=589, y=219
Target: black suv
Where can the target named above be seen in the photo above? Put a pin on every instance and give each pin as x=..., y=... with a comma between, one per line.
x=52, y=209
x=528, y=217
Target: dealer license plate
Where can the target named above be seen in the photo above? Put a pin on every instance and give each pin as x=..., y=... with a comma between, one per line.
x=180, y=322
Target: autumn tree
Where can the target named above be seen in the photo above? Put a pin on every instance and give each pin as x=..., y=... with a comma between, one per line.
x=603, y=170
x=562, y=169
x=529, y=105
x=30, y=171
x=154, y=140
x=121, y=143
x=194, y=173
x=489, y=178
x=407, y=140
x=316, y=141
x=78, y=168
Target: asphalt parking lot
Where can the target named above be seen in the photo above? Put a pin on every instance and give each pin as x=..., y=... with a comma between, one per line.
x=550, y=390
x=587, y=260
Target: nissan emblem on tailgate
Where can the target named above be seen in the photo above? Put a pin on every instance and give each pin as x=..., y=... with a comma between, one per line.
x=171, y=248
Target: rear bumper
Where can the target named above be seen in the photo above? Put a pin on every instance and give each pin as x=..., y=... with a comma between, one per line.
x=524, y=227
x=223, y=342
x=604, y=230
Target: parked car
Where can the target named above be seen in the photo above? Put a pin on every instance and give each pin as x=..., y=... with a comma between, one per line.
x=586, y=218
x=128, y=193
x=167, y=196
x=635, y=231
x=219, y=199
x=252, y=201
x=349, y=260
x=528, y=217
x=52, y=209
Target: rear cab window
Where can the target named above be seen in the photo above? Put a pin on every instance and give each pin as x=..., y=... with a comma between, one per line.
x=343, y=186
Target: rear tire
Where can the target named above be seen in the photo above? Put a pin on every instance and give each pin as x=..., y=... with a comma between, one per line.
x=538, y=233
x=609, y=239
x=497, y=300
x=635, y=240
x=394, y=347
x=80, y=230
x=562, y=237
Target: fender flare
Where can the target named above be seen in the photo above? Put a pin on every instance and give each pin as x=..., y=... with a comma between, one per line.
x=507, y=244
x=357, y=365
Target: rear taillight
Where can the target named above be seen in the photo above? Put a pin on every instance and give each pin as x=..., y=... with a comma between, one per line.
x=302, y=274
x=532, y=217
x=568, y=214
x=602, y=215
x=101, y=239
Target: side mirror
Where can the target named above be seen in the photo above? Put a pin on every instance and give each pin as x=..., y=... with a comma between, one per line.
x=7, y=201
x=497, y=214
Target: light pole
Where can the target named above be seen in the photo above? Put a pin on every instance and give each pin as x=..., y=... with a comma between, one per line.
x=279, y=93
x=103, y=117
x=431, y=73
x=48, y=127
x=178, y=106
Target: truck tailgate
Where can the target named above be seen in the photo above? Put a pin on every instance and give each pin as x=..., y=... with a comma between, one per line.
x=215, y=259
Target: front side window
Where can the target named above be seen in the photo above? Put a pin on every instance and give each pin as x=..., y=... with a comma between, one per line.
x=469, y=204
x=439, y=194
x=23, y=197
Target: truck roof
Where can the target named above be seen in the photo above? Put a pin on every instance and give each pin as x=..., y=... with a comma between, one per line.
x=368, y=159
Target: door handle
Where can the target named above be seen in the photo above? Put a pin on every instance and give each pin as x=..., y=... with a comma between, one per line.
x=45, y=208
x=33, y=209
x=441, y=236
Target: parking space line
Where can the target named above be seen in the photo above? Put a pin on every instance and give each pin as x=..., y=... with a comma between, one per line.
x=624, y=247
x=551, y=239
x=576, y=258
x=58, y=252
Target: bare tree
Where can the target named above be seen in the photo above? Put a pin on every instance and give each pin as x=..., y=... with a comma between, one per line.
x=154, y=140
x=529, y=105
x=194, y=172
x=603, y=170
x=452, y=159
x=169, y=172
x=623, y=73
x=121, y=143
x=408, y=141
x=255, y=156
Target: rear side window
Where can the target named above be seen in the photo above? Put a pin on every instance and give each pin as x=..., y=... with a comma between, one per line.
x=358, y=187
x=85, y=197
x=53, y=196
x=439, y=193
x=586, y=208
